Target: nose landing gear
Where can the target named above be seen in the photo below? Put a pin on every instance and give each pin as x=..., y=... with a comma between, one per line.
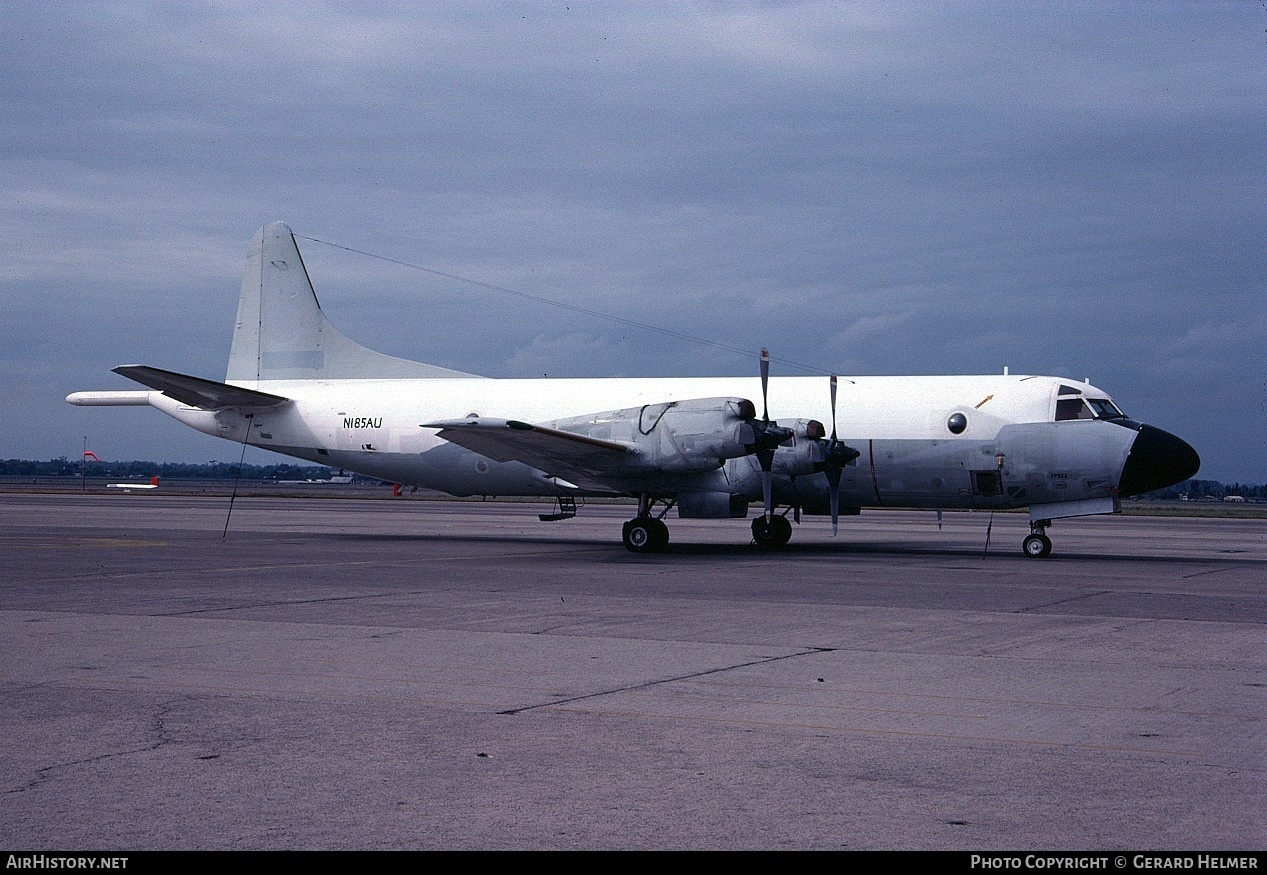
x=1037, y=545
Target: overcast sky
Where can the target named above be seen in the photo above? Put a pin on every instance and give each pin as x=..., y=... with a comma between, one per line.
x=868, y=188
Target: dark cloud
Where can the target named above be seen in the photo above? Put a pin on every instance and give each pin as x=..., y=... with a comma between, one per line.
x=874, y=188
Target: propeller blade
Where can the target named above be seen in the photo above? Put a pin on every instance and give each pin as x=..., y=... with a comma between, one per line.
x=766, y=457
x=833, y=407
x=835, y=457
x=833, y=486
x=765, y=383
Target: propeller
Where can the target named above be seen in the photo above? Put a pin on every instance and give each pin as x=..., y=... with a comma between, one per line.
x=766, y=437
x=765, y=454
x=835, y=457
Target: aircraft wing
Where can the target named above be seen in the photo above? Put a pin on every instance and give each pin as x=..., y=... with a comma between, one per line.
x=558, y=453
x=197, y=392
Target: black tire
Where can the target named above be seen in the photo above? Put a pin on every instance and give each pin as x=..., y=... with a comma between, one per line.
x=1036, y=546
x=645, y=535
x=774, y=533
x=782, y=531
x=661, y=534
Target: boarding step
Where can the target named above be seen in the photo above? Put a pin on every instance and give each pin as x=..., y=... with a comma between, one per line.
x=567, y=510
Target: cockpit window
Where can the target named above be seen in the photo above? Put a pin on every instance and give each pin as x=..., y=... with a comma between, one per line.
x=1068, y=390
x=1072, y=408
x=1086, y=408
x=1105, y=409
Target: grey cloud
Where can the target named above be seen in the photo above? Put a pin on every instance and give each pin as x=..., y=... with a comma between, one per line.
x=864, y=187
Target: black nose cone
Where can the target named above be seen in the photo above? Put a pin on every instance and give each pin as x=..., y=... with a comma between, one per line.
x=1157, y=459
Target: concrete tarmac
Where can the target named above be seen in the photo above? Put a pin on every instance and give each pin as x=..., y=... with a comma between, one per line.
x=458, y=675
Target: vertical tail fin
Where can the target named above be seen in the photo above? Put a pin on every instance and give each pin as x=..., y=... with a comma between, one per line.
x=281, y=333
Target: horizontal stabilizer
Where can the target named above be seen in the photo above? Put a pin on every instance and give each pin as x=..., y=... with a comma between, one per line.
x=548, y=449
x=197, y=392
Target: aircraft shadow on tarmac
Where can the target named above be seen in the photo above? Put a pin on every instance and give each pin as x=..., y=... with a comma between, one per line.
x=999, y=550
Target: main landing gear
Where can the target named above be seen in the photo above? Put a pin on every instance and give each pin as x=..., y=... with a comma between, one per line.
x=645, y=533
x=649, y=534
x=774, y=532
x=1037, y=545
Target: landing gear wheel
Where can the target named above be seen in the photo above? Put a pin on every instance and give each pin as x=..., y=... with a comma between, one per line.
x=645, y=535
x=775, y=533
x=782, y=531
x=661, y=533
x=1037, y=546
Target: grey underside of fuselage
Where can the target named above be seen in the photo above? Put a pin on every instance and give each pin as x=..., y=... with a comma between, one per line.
x=1078, y=462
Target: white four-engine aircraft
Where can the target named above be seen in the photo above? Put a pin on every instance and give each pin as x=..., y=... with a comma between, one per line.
x=297, y=386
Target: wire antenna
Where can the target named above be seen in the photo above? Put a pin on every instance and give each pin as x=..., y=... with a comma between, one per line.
x=597, y=314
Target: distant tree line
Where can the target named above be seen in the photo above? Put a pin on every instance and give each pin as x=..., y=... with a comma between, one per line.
x=64, y=467
x=1194, y=490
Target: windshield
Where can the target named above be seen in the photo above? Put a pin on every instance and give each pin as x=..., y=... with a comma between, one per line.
x=1086, y=408
x=1105, y=409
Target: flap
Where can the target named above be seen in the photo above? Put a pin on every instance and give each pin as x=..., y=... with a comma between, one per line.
x=560, y=453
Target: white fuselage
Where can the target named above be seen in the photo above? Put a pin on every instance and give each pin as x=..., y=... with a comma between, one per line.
x=1011, y=452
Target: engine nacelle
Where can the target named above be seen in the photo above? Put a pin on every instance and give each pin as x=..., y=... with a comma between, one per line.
x=803, y=454
x=711, y=506
x=698, y=434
